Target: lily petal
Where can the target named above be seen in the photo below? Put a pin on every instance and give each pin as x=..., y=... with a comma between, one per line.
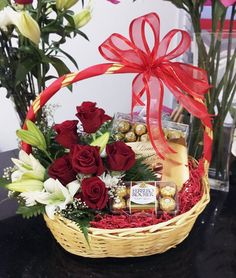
x=29, y=27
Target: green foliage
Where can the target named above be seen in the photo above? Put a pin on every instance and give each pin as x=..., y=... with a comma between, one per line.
x=24, y=66
x=140, y=172
x=28, y=212
x=81, y=217
x=3, y=4
x=55, y=150
x=89, y=138
x=4, y=182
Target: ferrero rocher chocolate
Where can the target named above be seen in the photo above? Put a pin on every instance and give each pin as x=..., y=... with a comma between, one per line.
x=167, y=204
x=140, y=129
x=119, y=204
x=168, y=191
x=123, y=126
x=119, y=136
x=121, y=191
x=130, y=137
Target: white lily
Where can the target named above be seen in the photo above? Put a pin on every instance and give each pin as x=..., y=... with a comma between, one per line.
x=26, y=25
x=28, y=167
x=55, y=196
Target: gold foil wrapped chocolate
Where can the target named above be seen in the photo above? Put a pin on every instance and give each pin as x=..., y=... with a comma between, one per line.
x=124, y=126
x=167, y=204
x=129, y=130
x=168, y=191
x=140, y=129
x=130, y=137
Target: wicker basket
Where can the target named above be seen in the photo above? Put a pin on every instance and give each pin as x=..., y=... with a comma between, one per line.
x=128, y=242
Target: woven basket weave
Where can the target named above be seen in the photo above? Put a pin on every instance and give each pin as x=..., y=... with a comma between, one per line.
x=127, y=242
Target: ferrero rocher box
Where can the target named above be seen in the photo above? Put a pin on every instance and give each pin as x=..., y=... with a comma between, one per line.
x=151, y=197
x=174, y=166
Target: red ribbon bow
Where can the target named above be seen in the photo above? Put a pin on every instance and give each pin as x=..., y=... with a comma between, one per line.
x=155, y=69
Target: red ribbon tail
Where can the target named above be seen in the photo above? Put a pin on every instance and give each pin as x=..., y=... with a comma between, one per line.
x=155, y=92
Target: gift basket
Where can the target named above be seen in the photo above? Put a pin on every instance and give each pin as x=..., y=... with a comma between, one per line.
x=122, y=186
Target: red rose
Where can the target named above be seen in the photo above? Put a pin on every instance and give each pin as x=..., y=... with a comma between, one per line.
x=91, y=116
x=86, y=160
x=94, y=193
x=61, y=169
x=120, y=157
x=24, y=2
x=66, y=133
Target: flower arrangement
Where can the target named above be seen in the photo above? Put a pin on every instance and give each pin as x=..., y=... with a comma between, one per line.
x=71, y=170
x=32, y=35
x=76, y=169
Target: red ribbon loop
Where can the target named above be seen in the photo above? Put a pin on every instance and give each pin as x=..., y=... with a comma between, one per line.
x=155, y=69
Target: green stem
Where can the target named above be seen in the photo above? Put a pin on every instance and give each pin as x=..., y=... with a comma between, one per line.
x=48, y=155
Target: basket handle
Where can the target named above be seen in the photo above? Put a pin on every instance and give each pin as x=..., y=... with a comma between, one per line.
x=100, y=69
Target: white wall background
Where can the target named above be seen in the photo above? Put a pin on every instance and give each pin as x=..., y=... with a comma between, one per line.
x=112, y=92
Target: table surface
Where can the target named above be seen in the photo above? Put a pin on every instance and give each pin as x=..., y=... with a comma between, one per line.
x=27, y=248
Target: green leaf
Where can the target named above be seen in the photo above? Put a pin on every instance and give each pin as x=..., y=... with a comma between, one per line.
x=3, y=4
x=67, y=55
x=59, y=66
x=83, y=224
x=140, y=172
x=4, y=182
x=28, y=212
x=82, y=34
x=23, y=68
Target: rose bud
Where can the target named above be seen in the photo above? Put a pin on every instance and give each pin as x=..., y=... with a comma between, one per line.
x=66, y=133
x=62, y=170
x=94, y=193
x=120, y=157
x=86, y=160
x=91, y=116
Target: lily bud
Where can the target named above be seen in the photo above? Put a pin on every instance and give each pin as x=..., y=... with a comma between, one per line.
x=65, y=4
x=29, y=27
x=82, y=18
x=26, y=186
x=33, y=136
x=101, y=141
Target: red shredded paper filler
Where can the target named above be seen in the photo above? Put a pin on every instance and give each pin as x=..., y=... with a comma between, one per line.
x=189, y=195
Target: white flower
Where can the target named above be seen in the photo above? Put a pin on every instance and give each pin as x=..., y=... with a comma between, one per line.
x=110, y=181
x=55, y=196
x=26, y=25
x=27, y=168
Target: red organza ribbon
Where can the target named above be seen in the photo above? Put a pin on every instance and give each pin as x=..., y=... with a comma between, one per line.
x=155, y=69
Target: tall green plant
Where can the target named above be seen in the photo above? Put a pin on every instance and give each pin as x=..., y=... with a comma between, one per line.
x=25, y=64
